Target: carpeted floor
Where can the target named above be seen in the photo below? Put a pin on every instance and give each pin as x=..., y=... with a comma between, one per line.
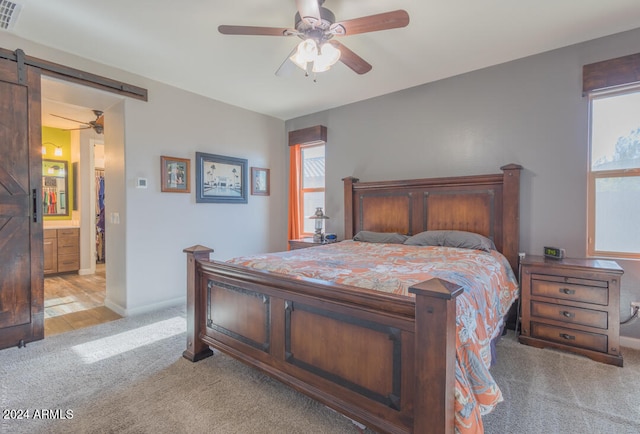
x=128, y=376
x=549, y=391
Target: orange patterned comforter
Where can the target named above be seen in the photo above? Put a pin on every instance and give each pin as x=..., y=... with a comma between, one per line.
x=490, y=288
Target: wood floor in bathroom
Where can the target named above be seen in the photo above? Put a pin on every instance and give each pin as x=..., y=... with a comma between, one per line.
x=72, y=301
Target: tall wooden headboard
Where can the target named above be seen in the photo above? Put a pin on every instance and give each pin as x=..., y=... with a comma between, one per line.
x=485, y=204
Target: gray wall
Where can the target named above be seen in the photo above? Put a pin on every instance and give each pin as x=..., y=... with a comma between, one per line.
x=530, y=111
x=146, y=267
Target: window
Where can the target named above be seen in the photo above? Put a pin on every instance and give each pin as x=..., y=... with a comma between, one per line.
x=614, y=174
x=311, y=185
x=306, y=178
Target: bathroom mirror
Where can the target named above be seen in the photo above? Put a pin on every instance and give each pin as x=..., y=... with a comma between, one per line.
x=55, y=197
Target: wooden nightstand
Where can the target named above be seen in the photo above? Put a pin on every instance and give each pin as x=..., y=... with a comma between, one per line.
x=573, y=305
x=303, y=243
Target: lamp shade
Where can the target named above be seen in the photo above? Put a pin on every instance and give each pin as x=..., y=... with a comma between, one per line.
x=326, y=58
x=322, y=57
x=306, y=52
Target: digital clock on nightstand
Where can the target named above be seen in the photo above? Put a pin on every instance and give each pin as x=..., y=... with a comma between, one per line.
x=554, y=252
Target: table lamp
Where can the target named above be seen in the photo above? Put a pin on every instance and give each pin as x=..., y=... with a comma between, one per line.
x=319, y=217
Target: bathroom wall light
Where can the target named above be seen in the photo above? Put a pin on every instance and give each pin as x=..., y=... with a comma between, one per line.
x=57, y=152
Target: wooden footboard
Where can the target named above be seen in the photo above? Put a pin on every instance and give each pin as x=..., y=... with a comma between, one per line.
x=384, y=360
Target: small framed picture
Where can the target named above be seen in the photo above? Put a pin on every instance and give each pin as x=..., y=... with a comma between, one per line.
x=259, y=181
x=220, y=179
x=175, y=174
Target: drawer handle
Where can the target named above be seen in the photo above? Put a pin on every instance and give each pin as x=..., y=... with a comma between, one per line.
x=567, y=337
x=566, y=314
x=567, y=291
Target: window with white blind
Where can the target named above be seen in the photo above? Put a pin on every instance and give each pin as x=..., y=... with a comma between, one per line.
x=306, y=178
x=311, y=184
x=614, y=173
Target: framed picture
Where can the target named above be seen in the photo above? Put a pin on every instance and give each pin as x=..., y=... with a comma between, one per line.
x=259, y=181
x=221, y=179
x=175, y=174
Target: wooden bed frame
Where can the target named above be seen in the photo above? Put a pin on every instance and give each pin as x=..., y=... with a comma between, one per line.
x=385, y=360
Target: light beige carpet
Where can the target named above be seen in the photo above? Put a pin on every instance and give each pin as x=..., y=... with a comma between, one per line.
x=128, y=376
x=549, y=391
x=113, y=381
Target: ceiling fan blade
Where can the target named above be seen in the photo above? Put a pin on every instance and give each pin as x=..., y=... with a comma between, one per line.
x=371, y=23
x=76, y=129
x=72, y=120
x=309, y=11
x=351, y=59
x=287, y=67
x=255, y=31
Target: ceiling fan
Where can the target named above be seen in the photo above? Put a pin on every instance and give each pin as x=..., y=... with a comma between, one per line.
x=316, y=26
x=97, y=125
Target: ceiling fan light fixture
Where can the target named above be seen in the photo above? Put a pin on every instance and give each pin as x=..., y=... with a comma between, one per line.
x=306, y=52
x=316, y=25
x=326, y=58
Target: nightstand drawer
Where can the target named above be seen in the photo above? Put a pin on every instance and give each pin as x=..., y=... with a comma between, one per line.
x=566, y=336
x=570, y=314
x=295, y=244
x=303, y=243
x=569, y=291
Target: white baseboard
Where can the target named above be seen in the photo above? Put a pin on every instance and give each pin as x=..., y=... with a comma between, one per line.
x=115, y=307
x=86, y=271
x=146, y=308
x=630, y=342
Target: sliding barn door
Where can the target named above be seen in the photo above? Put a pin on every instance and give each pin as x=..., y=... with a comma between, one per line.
x=21, y=244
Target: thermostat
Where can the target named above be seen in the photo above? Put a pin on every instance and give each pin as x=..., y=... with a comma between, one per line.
x=554, y=252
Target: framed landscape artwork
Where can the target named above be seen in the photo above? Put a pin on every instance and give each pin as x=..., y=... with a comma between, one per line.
x=259, y=181
x=175, y=174
x=220, y=179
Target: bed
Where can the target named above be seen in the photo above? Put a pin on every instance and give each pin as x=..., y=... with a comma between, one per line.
x=389, y=360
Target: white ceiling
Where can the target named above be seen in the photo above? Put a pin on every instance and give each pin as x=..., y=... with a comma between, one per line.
x=177, y=42
x=61, y=99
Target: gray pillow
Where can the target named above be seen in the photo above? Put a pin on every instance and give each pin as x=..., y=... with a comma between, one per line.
x=380, y=237
x=461, y=239
x=427, y=238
